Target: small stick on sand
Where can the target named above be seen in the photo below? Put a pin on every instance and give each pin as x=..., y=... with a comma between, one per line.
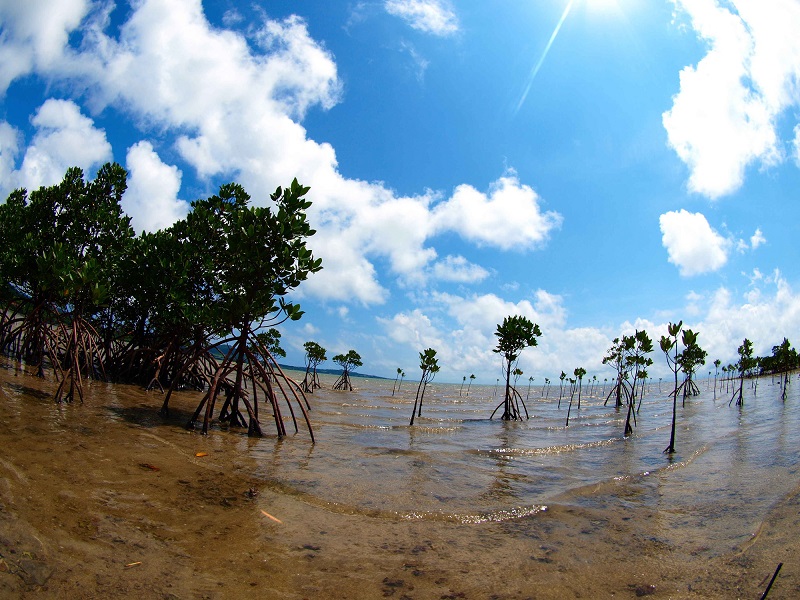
x=771, y=581
x=266, y=514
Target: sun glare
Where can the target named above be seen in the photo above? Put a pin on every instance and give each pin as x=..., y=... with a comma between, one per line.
x=602, y=5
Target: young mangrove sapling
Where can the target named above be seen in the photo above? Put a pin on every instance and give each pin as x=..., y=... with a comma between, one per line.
x=513, y=336
x=349, y=362
x=429, y=366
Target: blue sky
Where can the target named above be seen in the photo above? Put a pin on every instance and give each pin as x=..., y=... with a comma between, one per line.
x=596, y=165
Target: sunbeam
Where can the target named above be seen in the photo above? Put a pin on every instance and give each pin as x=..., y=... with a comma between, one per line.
x=538, y=66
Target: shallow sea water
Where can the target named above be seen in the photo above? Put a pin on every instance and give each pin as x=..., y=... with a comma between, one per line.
x=731, y=464
x=457, y=506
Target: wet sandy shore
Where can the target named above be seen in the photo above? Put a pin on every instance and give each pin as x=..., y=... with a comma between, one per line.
x=108, y=500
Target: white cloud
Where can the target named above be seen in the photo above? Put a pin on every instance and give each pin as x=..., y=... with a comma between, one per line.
x=64, y=138
x=509, y=217
x=765, y=312
x=755, y=277
x=413, y=329
x=232, y=18
x=796, y=145
x=767, y=315
x=309, y=329
x=742, y=246
x=476, y=318
x=151, y=199
x=436, y=17
x=692, y=245
x=693, y=300
x=459, y=269
x=398, y=228
x=419, y=62
x=461, y=329
x=724, y=117
x=34, y=35
x=346, y=273
x=9, y=150
x=757, y=239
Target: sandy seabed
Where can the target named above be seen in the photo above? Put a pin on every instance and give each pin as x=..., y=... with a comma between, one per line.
x=108, y=500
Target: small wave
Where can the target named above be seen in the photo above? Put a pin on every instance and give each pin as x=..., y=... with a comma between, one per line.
x=609, y=486
x=550, y=450
x=494, y=516
x=434, y=429
x=476, y=518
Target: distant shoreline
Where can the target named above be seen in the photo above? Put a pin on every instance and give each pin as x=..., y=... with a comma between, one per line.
x=336, y=372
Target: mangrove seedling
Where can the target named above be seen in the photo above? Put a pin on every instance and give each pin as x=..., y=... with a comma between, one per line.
x=616, y=359
x=315, y=356
x=349, y=362
x=513, y=336
x=579, y=372
x=745, y=363
x=669, y=343
x=429, y=366
x=637, y=347
x=561, y=388
x=782, y=361
x=394, y=385
x=692, y=357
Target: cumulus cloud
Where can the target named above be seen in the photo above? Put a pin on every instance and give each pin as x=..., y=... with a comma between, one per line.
x=436, y=17
x=461, y=329
x=693, y=300
x=151, y=199
x=459, y=269
x=476, y=317
x=692, y=245
x=724, y=116
x=64, y=138
x=10, y=139
x=34, y=35
x=508, y=217
x=414, y=329
x=765, y=314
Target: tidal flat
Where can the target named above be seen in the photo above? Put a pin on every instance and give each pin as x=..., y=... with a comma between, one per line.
x=107, y=499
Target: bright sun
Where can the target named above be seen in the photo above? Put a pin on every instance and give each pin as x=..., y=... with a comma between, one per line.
x=602, y=5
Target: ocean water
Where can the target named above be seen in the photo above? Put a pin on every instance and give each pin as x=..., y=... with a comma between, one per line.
x=455, y=464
